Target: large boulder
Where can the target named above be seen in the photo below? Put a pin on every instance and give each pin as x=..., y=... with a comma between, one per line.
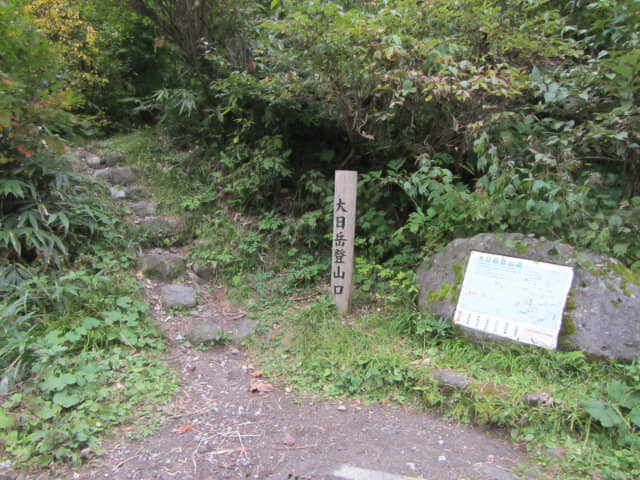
x=602, y=316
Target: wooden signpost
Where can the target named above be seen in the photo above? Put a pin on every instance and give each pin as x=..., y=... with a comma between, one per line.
x=344, y=229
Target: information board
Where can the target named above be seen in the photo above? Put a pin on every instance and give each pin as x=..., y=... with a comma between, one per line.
x=514, y=298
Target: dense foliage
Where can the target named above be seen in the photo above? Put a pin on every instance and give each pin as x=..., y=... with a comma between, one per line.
x=474, y=116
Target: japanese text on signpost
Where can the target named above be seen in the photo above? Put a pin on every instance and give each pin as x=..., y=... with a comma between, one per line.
x=344, y=222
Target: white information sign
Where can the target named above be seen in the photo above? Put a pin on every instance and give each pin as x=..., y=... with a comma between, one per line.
x=514, y=298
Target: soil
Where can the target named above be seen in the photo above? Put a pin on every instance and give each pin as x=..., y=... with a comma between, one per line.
x=216, y=428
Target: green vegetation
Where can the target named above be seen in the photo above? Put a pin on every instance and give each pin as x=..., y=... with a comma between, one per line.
x=77, y=351
x=460, y=117
x=387, y=352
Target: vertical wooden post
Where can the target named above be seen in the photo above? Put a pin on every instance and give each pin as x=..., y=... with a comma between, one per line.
x=344, y=229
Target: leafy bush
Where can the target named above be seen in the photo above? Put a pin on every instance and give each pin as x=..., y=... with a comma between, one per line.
x=113, y=57
x=515, y=116
x=47, y=210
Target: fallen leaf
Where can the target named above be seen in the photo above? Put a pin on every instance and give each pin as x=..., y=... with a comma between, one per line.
x=220, y=293
x=261, y=387
x=288, y=440
x=184, y=428
x=256, y=373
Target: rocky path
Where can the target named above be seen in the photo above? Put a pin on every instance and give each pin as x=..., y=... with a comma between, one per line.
x=228, y=422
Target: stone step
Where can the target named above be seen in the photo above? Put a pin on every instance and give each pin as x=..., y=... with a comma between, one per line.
x=116, y=175
x=161, y=231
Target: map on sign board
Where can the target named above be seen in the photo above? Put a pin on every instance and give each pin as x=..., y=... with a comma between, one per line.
x=514, y=298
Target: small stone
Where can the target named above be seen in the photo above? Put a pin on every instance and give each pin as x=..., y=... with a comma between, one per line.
x=135, y=192
x=161, y=232
x=288, y=440
x=116, y=175
x=144, y=208
x=538, y=399
x=111, y=159
x=204, y=271
x=451, y=379
x=342, y=408
x=243, y=328
x=117, y=193
x=204, y=333
x=93, y=161
x=442, y=458
x=177, y=295
x=160, y=265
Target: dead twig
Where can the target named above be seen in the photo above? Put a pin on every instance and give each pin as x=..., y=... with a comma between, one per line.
x=129, y=459
x=202, y=410
x=234, y=434
x=224, y=452
x=244, y=450
x=248, y=423
x=300, y=447
x=193, y=458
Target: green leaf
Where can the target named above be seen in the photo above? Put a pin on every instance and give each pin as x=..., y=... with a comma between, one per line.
x=48, y=411
x=58, y=383
x=90, y=322
x=623, y=395
x=615, y=221
x=124, y=302
x=603, y=413
x=129, y=337
x=10, y=186
x=6, y=420
x=66, y=400
x=634, y=416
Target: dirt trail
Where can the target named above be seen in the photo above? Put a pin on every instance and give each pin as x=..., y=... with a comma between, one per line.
x=215, y=428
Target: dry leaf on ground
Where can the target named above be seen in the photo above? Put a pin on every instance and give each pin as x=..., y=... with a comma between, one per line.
x=260, y=387
x=256, y=373
x=184, y=428
x=220, y=293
